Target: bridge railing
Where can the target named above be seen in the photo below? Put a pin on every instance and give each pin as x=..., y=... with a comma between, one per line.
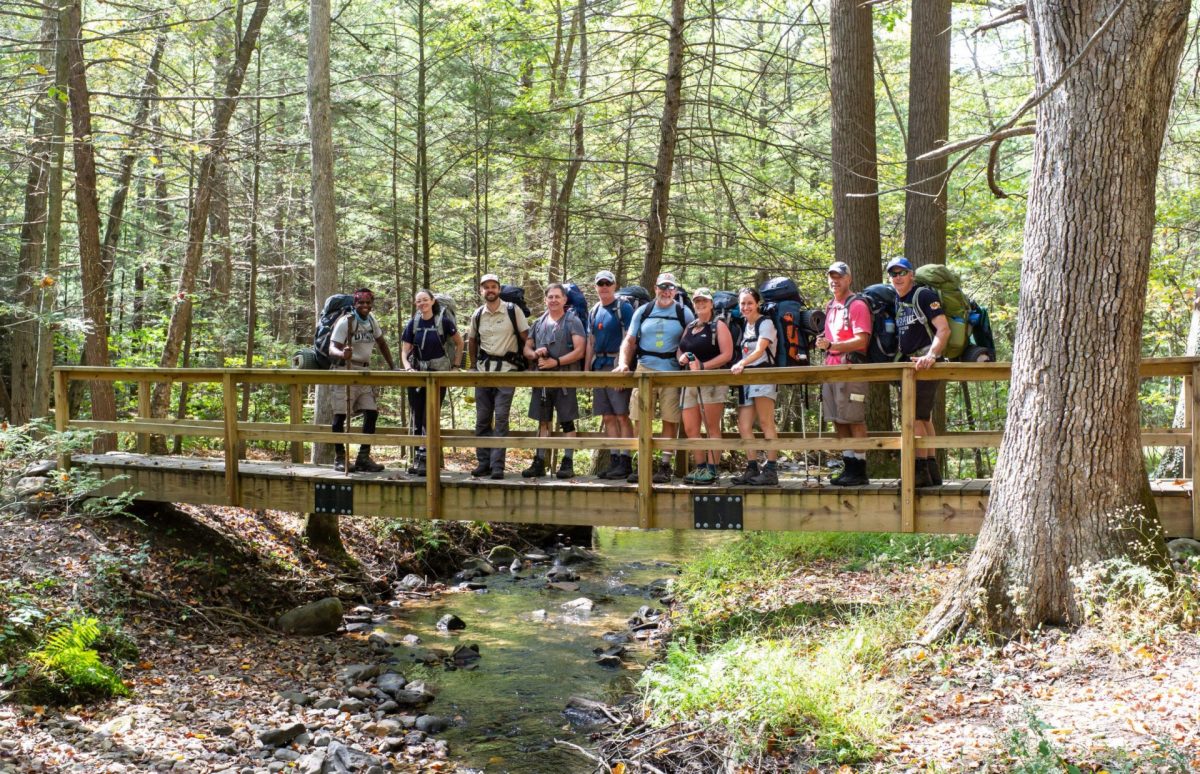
x=234, y=431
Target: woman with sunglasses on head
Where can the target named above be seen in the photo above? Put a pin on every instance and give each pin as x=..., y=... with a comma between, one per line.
x=757, y=401
x=706, y=345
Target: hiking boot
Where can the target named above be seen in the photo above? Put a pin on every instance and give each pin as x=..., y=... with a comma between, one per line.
x=662, y=473
x=690, y=478
x=418, y=466
x=566, y=469
x=497, y=474
x=743, y=478
x=935, y=471
x=632, y=476
x=481, y=470
x=768, y=476
x=339, y=459
x=847, y=465
x=535, y=470
x=616, y=468
x=702, y=476
x=365, y=464
x=923, y=477
x=854, y=474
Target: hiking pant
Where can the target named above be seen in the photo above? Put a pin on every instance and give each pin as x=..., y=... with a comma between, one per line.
x=416, y=402
x=492, y=402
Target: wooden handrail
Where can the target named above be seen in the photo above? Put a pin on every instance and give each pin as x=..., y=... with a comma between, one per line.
x=295, y=432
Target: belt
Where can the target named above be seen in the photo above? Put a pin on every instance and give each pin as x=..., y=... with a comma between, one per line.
x=367, y=364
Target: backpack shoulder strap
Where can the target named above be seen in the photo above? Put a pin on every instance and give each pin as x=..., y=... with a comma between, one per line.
x=682, y=317
x=512, y=318
x=473, y=328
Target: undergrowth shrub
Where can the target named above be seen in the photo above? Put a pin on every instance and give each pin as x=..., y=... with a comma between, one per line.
x=70, y=667
x=1131, y=603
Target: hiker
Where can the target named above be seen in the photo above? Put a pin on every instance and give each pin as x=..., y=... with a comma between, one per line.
x=845, y=339
x=610, y=318
x=557, y=343
x=706, y=345
x=923, y=333
x=355, y=336
x=653, y=339
x=757, y=401
x=430, y=342
x=496, y=337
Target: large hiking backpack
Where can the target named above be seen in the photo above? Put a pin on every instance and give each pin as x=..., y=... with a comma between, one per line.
x=636, y=295
x=684, y=298
x=881, y=300
x=725, y=307
x=954, y=303
x=796, y=330
x=577, y=303
x=515, y=294
x=780, y=289
x=444, y=310
x=981, y=332
x=336, y=306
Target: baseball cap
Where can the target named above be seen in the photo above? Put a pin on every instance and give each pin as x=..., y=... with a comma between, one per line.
x=899, y=262
x=489, y=278
x=606, y=275
x=838, y=267
x=702, y=293
x=666, y=278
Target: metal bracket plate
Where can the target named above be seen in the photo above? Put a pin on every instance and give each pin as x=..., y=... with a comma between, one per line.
x=334, y=498
x=717, y=511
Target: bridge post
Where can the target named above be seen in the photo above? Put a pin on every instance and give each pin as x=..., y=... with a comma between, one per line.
x=1193, y=456
x=433, y=448
x=908, y=449
x=62, y=414
x=233, y=489
x=645, y=451
x=296, y=417
x=143, y=439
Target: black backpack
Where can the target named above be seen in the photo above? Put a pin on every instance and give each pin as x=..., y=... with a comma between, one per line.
x=515, y=294
x=780, y=289
x=636, y=295
x=885, y=340
x=725, y=307
x=336, y=307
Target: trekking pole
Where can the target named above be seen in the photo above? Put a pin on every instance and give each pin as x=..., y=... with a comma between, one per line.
x=820, y=430
x=349, y=402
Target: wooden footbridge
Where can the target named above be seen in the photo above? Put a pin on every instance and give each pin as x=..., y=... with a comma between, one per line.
x=957, y=507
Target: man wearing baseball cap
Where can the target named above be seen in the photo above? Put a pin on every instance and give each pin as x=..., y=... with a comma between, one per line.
x=923, y=333
x=607, y=323
x=496, y=337
x=845, y=339
x=652, y=340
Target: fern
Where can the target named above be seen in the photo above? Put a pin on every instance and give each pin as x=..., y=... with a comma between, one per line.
x=68, y=652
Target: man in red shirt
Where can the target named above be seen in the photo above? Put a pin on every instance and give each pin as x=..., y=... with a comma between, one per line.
x=847, y=334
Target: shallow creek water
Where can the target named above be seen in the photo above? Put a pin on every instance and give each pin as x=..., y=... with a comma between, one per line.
x=509, y=710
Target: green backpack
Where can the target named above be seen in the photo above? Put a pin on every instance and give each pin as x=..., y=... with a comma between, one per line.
x=954, y=303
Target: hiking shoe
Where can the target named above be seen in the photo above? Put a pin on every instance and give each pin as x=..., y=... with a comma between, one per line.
x=855, y=474
x=418, y=467
x=481, y=470
x=743, y=478
x=497, y=474
x=615, y=469
x=662, y=473
x=566, y=469
x=923, y=477
x=535, y=470
x=847, y=465
x=365, y=464
x=702, y=476
x=768, y=476
x=340, y=465
x=935, y=471
x=690, y=478
x=632, y=477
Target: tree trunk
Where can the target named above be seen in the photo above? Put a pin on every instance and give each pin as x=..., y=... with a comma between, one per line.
x=562, y=204
x=29, y=290
x=1172, y=463
x=1070, y=488
x=321, y=529
x=54, y=208
x=181, y=314
x=660, y=197
x=88, y=222
x=928, y=128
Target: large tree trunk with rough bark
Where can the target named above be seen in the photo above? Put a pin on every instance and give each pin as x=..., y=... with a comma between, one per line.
x=928, y=127
x=660, y=197
x=87, y=209
x=1070, y=488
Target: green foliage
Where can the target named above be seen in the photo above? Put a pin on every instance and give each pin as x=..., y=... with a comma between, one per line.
x=1029, y=750
x=73, y=668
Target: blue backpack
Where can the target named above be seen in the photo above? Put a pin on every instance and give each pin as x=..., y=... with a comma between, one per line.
x=577, y=303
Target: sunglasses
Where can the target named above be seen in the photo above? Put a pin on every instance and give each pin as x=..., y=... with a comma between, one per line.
x=604, y=284
x=898, y=273
x=666, y=287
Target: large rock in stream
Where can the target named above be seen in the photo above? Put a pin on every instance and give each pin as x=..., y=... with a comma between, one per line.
x=321, y=617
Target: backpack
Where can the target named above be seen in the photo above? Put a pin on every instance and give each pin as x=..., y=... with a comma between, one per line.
x=881, y=301
x=725, y=307
x=577, y=303
x=683, y=324
x=515, y=294
x=636, y=295
x=590, y=323
x=981, y=328
x=954, y=303
x=336, y=307
x=516, y=359
x=443, y=310
x=796, y=328
x=684, y=298
x=780, y=289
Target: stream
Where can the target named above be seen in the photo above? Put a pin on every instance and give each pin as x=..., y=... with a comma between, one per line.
x=507, y=712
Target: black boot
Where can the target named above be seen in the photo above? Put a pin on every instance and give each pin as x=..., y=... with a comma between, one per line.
x=566, y=468
x=743, y=478
x=364, y=462
x=935, y=471
x=614, y=470
x=482, y=469
x=923, y=478
x=847, y=467
x=536, y=470
x=339, y=458
x=855, y=473
x=418, y=466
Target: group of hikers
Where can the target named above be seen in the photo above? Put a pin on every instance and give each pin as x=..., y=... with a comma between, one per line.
x=663, y=334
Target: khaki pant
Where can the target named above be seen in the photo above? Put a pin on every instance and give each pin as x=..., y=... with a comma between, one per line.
x=667, y=399
x=362, y=398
